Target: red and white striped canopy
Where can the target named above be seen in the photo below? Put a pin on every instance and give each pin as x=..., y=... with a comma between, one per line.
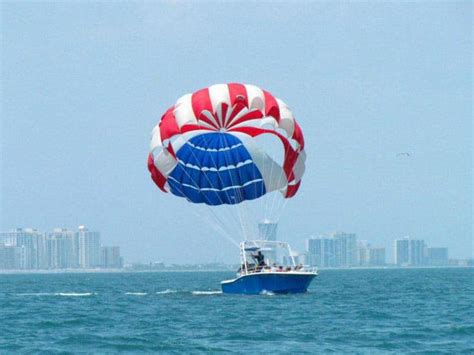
x=206, y=146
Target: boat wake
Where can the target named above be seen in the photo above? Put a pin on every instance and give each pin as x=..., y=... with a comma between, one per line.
x=85, y=294
x=64, y=294
x=206, y=292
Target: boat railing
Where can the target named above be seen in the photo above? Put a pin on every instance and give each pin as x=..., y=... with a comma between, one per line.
x=307, y=268
x=283, y=269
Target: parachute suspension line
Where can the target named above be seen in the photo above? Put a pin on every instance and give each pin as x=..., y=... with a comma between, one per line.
x=261, y=214
x=210, y=209
x=258, y=211
x=239, y=192
x=268, y=205
x=196, y=184
x=255, y=212
x=244, y=205
x=223, y=226
x=222, y=230
x=272, y=197
x=282, y=208
x=218, y=228
x=228, y=211
x=269, y=211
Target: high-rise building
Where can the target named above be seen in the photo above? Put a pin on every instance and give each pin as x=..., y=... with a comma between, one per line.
x=51, y=253
x=9, y=257
x=321, y=252
x=267, y=230
x=63, y=250
x=410, y=252
x=338, y=250
x=7, y=238
x=377, y=256
x=437, y=256
x=363, y=253
x=111, y=257
x=369, y=256
x=313, y=250
x=417, y=252
x=346, y=249
x=43, y=252
x=88, y=246
x=402, y=252
x=27, y=242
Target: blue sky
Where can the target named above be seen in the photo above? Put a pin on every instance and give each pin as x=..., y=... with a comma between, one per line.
x=83, y=84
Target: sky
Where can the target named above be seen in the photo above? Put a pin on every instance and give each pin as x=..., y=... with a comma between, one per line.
x=83, y=84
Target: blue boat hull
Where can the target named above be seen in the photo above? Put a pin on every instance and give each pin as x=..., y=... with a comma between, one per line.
x=274, y=282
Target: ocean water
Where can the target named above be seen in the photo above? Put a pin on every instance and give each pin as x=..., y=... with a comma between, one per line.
x=345, y=311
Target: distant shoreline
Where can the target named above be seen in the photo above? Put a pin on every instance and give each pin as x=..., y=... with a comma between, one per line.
x=115, y=271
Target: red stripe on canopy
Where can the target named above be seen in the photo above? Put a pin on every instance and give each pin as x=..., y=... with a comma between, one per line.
x=201, y=101
x=271, y=106
x=168, y=126
x=156, y=176
x=238, y=94
x=298, y=135
x=292, y=189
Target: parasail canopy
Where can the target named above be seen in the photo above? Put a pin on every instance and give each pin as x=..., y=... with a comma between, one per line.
x=212, y=146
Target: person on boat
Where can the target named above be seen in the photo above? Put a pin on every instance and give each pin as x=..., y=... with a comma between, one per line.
x=260, y=258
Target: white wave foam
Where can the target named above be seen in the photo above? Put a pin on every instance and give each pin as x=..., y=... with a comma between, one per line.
x=73, y=294
x=70, y=294
x=166, y=292
x=267, y=293
x=206, y=292
x=136, y=293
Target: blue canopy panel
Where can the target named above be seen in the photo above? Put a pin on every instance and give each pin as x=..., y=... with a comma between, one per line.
x=215, y=169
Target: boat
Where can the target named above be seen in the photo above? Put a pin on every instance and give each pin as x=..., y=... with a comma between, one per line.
x=258, y=275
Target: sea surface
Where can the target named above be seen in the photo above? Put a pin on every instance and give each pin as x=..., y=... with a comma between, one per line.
x=345, y=311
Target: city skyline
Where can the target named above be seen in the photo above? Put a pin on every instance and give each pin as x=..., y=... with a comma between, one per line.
x=269, y=229
x=60, y=249
x=65, y=249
